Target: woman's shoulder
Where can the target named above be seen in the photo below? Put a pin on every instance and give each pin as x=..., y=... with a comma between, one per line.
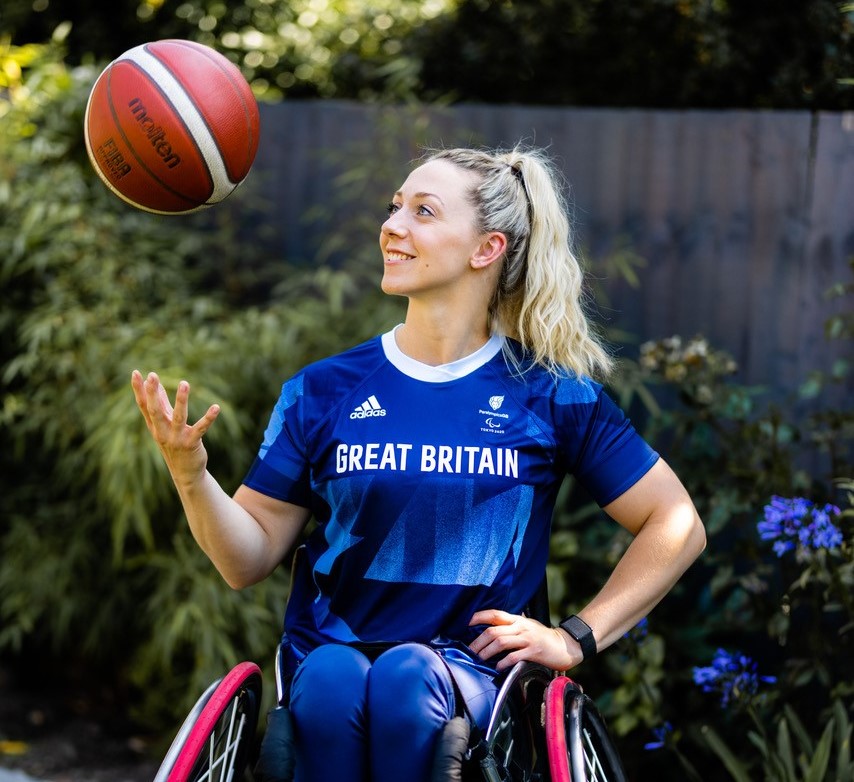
x=563, y=385
x=324, y=384
x=334, y=377
x=352, y=360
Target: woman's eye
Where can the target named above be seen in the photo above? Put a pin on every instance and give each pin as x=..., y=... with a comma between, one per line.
x=422, y=210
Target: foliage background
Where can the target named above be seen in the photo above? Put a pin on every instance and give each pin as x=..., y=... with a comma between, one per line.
x=101, y=580
x=778, y=54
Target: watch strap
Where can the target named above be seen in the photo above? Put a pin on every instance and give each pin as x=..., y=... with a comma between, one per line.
x=581, y=632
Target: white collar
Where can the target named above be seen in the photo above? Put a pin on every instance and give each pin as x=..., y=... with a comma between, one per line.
x=444, y=372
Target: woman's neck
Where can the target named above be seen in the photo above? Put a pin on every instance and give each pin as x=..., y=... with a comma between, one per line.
x=435, y=338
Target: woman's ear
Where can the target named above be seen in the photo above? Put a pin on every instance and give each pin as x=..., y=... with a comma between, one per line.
x=490, y=250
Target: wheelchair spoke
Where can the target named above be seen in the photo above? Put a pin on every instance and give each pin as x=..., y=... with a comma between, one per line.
x=591, y=761
x=222, y=749
x=233, y=747
x=229, y=744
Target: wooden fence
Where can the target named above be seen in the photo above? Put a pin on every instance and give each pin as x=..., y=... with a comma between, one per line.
x=744, y=218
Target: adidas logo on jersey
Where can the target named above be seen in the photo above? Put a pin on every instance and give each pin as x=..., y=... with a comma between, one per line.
x=368, y=409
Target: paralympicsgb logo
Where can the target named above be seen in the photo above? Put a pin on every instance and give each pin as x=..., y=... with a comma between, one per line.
x=495, y=402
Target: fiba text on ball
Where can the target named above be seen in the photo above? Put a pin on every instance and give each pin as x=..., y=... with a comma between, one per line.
x=113, y=162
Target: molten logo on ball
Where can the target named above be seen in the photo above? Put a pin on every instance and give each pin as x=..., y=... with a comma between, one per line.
x=171, y=127
x=155, y=134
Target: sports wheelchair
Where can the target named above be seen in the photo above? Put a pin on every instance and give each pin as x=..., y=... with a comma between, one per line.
x=543, y=728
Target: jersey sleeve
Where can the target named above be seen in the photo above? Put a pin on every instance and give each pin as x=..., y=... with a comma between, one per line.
x=281, y=468
x=611, y=456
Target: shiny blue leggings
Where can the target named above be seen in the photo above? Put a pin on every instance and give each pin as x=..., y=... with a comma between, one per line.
x=357, y=721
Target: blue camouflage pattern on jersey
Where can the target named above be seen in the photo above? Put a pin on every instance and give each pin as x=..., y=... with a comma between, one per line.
x=432, y=499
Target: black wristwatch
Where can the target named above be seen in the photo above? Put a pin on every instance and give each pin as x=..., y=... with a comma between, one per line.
x=581, y=632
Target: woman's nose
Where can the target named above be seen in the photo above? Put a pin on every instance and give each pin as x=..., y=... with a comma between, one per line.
x=394, y=225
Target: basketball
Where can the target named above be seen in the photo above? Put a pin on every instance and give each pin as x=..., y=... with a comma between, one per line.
x=171, y=127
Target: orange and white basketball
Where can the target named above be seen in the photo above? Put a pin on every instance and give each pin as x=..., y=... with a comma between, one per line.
x=172, y=127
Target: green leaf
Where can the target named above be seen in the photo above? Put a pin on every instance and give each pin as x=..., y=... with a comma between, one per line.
x=821, y=757
x=738, y=771
x=624, y=723
x=784, y=750
x=791, y=719
x=844, y=764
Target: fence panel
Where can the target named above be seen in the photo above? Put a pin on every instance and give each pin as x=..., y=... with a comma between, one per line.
x=744, y=217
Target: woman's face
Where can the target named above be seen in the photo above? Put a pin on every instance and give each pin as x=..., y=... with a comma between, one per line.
x=429, y=237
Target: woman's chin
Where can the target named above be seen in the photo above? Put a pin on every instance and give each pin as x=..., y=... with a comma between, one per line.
x=392, y=286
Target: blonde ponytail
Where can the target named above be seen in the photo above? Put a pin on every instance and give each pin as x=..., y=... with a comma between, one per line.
x=539, y=299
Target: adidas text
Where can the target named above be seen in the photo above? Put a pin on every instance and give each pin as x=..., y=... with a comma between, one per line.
x=367, y=413
x=368, y=409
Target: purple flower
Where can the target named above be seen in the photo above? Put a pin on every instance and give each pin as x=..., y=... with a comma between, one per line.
x=660, y=735
x=733, y=675
x=639, y=631
x=825, y=533
x=797, y=522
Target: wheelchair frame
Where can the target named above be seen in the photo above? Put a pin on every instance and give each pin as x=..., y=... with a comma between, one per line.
x=543, y=728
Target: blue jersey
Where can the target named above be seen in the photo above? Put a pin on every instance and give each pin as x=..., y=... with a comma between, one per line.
x=433, y=487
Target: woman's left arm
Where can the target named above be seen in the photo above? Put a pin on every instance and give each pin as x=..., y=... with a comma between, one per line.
x=668, y=537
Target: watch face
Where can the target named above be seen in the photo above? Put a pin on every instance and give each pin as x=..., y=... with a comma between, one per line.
x=575, y=627
x=582, y=633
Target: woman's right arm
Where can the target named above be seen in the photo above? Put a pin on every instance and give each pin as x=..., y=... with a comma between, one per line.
x=245, y=536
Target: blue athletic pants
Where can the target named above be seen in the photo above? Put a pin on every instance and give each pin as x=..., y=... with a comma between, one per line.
x=358, y=721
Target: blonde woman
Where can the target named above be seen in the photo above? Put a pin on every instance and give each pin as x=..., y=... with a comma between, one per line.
x=431, y=457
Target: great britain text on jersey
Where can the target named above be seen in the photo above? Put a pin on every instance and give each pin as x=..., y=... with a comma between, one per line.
x=456, y=459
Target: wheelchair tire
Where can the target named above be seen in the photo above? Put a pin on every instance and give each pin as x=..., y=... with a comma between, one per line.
x=580, y=747
x=216, y=738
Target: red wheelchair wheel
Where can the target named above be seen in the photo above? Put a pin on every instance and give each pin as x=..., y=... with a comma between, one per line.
x=579, y=746
x=216, y=738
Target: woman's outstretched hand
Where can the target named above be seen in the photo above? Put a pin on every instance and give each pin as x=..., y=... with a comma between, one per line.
x=179, y=442
x=521, y=638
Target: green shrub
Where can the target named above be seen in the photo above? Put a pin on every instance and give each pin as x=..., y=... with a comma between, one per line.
x=769, y=603
x=99, y=568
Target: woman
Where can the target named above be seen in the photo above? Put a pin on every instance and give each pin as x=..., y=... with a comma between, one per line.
x=431, y=457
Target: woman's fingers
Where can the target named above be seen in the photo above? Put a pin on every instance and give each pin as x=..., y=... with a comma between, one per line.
x=138, y=386
x=179, y=442
x=505, y=641
x=518, y=638
x=158, y=399
x=493, y=617
x=169, y=424
x=204, y=423
x=159, y=408
x=179, y=413
x=504, y=632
